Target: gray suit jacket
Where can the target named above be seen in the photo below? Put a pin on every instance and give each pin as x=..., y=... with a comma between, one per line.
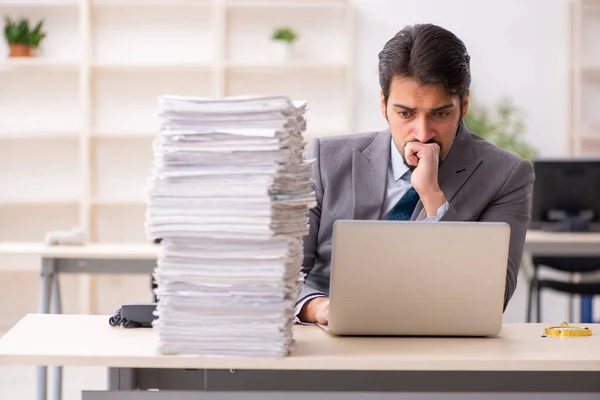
x=480, y=181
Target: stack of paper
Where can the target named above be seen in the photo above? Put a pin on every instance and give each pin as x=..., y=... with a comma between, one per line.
x=229, y=196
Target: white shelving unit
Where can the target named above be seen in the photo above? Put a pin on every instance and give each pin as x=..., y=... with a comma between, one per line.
x=78, y=121
x=584, y=78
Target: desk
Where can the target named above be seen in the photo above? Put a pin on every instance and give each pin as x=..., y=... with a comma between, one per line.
x=576, y=244
x=140, y=258
x=562, y=243
x=106, y=258
x=518, y=360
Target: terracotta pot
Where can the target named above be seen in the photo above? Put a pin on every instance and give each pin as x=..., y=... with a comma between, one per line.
x=20, y=50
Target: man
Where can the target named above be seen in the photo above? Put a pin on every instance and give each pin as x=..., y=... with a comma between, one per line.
x=426, y=166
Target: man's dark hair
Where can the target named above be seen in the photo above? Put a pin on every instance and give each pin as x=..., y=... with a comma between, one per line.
x=430, y=55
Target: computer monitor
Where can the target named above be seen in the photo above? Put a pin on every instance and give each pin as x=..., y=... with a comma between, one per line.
x=566, y=195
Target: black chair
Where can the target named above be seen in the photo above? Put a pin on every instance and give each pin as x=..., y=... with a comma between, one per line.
x=574, y=265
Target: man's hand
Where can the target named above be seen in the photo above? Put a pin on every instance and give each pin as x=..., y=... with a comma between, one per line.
x=315, y=310
x=426, y=158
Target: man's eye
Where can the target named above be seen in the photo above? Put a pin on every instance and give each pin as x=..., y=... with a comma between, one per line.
x=404, y=114
x=441, y=114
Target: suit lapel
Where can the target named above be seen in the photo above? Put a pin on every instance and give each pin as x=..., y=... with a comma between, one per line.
x=369, y=166
x=456, y=168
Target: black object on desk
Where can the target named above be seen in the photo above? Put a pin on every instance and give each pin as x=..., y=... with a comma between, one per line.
x=134, y=316
x=566, y=198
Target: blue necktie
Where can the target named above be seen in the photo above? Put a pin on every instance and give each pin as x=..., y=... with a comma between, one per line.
x=404, y=208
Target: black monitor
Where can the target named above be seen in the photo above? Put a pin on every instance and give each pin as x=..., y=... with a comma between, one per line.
x=566, y=195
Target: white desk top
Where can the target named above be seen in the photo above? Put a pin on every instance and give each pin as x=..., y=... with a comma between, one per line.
x=556, y=243
x=137, y=251
x=89, y=340
x=536, y=241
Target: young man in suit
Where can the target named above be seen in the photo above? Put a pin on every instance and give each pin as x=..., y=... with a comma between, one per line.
x=426, y=166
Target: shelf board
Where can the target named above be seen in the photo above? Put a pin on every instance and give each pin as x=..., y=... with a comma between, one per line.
x=153, y=66
x=37, y=135
x=146, y=3
x=39, y=63
x=291, y=66
x=38, y=202
x=591, y=71
x=322, y=133
x=152, y=135
x=125, y=135
x=285, y=3
x=38, y=3
x=118, y=202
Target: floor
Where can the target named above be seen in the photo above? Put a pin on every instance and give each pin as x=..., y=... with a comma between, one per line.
x=19, y=383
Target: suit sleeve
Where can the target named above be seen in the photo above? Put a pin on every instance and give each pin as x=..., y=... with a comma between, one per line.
x=314, y=220
x=512, y=205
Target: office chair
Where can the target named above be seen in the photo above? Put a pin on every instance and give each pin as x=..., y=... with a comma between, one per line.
x=573, y=265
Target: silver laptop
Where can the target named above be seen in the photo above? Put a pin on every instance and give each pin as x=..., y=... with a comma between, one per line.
x=417, y=278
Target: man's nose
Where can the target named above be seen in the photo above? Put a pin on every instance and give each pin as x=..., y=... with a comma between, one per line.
x=422, y=131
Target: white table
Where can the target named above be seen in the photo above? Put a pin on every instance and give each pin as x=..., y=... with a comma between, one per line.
x=561, y=243
x=93, y=258
x=518, y=360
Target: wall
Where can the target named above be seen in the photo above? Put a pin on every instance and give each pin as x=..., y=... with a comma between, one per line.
x=518, y=49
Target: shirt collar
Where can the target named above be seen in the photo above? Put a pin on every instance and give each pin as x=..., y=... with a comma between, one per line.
x=399, y=169
x=398, y=166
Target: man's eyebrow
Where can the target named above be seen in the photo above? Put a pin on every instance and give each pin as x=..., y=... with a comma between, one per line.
x=444, y=107
x=440, y=108
x=405, y=107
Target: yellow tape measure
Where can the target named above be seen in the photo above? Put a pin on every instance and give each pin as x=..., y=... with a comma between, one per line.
x=564, y=329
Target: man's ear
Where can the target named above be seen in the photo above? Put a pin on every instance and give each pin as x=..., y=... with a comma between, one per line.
x=465, y=104
x=382, y=104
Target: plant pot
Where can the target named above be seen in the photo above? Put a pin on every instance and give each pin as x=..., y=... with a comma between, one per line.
x=284, y=50
x=19, y=50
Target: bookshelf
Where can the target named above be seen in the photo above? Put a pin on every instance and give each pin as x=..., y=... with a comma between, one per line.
x=79, y=120
x=584, y=79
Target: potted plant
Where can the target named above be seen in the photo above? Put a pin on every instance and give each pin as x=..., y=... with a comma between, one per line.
x=21, y=39
x=504, y=127
x=284, y=39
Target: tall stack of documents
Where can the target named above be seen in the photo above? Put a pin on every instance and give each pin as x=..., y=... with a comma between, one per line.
x=229, y=197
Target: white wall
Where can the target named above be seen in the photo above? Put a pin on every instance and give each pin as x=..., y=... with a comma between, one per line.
x=518, y=49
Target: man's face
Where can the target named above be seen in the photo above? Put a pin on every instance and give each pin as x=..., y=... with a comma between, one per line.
x=426, y=114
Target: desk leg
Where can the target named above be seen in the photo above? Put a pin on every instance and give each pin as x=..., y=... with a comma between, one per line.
x=56, y=309
x=44, y=308
x=121, y=379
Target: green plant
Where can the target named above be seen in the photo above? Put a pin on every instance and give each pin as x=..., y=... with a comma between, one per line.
x=19, y=32
x=504, y=127
x=284, y=34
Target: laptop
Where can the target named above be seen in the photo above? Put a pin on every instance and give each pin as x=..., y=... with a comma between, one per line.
x=408, y=278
